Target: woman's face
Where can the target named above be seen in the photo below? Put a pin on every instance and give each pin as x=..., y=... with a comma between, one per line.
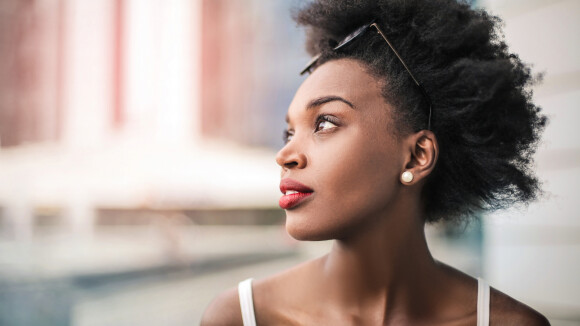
x=341, y=157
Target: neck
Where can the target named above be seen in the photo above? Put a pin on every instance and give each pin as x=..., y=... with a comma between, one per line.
x=386, y=264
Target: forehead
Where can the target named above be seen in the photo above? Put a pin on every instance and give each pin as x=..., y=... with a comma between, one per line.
x=346, y=78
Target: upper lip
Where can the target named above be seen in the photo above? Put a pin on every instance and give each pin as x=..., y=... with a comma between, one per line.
x=289, y=184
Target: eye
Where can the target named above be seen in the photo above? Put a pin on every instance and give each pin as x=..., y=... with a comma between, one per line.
x=287, y=136
x=325, y=122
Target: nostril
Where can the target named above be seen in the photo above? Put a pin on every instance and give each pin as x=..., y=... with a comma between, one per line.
x=290, y=164
x=289, y=159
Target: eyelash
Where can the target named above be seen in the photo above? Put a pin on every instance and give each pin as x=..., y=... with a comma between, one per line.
x=321, y=118
x=327, y=118
x=286, y=136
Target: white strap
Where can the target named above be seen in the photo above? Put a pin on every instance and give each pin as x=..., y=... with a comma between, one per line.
x=482, y=303
x=247, y=302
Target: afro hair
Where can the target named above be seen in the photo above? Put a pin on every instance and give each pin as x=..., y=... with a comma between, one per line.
x=485, y=122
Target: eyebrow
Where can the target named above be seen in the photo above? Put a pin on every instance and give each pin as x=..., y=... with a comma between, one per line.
x=325, y=99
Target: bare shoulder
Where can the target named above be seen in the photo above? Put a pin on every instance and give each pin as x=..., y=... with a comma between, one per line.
x=223, y=310
x=281, y=298
x=286, y=280
x=505, y=310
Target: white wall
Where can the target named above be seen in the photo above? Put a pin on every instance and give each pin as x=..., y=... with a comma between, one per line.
x=534, y=254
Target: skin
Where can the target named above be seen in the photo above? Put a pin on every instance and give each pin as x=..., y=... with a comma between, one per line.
x=380, y=270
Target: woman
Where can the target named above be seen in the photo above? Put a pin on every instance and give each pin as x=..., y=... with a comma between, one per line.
x=414, y=112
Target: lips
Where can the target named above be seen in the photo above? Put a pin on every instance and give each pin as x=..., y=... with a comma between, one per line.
x=294, y=193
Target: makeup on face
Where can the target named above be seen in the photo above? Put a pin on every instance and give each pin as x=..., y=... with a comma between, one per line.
x=340, y=164
x=294, y=193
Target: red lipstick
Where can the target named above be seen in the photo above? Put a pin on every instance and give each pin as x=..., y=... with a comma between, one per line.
x=294, y=193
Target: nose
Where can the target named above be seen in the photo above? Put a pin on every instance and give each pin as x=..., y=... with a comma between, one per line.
x=289, y=157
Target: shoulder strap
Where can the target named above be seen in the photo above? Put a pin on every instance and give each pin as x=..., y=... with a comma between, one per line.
x=482, y=303
x=247, y=302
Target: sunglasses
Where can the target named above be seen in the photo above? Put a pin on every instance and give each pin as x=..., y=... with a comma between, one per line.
x=356, y=34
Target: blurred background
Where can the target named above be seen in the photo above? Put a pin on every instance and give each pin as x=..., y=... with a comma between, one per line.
x=137, y=172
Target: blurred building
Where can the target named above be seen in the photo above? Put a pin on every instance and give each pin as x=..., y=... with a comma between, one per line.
x=124, y=124
x=131, y=105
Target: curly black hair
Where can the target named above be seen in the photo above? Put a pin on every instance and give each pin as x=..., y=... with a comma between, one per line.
x=485, y=122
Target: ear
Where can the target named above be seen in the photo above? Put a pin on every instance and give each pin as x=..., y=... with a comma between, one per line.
x=423, y=152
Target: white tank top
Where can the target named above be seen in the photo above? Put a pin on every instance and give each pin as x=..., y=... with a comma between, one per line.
x=247, y=302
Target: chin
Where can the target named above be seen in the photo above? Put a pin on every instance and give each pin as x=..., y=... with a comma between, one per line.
x=307, y=231
x=307, y=236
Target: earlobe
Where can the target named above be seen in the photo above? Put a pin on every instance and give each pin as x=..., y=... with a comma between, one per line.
x=407, y=176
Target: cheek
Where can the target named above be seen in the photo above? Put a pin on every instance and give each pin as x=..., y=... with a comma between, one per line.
x=363, y=164
x=368, y=183
x=355, y=180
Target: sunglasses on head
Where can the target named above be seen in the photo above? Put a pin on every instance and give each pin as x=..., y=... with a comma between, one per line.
x=356, y=34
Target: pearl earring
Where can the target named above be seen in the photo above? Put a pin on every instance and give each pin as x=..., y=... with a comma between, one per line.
x=407, y=176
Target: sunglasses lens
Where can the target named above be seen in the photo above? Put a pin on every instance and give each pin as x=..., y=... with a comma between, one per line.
x=350, y=37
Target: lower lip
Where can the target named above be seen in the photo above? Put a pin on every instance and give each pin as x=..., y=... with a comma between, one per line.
x=290, y=201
